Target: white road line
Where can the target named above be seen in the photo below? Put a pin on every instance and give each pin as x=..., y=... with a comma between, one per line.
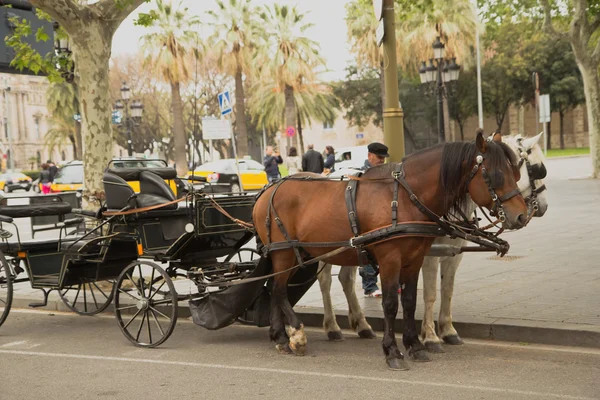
x=298, y=373
x=14, y=344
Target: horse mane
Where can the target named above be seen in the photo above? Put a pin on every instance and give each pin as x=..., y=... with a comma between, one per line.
x=457, y=160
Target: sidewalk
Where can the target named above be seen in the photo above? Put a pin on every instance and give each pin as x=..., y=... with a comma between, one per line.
x=546, y=290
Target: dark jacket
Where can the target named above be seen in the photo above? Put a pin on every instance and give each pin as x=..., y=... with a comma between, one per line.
x=45, y=176
x=312, y=161
x=270, y=163
x=330, y=162
x=53, y=169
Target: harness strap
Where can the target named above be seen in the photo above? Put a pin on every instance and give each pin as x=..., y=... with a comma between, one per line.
x=395, y=198
x=142, y=209
x=350, y=197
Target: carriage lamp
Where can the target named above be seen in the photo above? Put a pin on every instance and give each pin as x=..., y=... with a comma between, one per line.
x=438, y=74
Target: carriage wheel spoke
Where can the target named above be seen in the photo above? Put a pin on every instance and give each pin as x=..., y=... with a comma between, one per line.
x=93, y=296
x=160, y=313
x=149, y=329
x=133, y=283
x=151, y=283
x=157, y=290
x=157, y=323
x=3, y=301
x=77, y=295
x=100, y=290
x=130, y=295
x=137, y=337
x=132, y=318
x=162, y=302
x=141, y=281
x=127, y=308
x=84, y=299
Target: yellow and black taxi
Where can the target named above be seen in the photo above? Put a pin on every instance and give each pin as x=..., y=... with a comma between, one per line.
x=222, y=175
x=13, y=181
x=70, y=176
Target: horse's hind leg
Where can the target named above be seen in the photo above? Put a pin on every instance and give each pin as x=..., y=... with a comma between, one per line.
x=330, y=325
x=449, y=265
x=430, y=270
x=356, y=317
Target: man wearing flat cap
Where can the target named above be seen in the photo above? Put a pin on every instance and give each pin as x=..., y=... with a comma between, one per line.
x=378, y=152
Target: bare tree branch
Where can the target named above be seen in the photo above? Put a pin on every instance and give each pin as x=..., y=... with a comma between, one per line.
x=65, y=12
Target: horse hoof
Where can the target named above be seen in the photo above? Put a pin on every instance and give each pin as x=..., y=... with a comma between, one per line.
x=298, y=350
x=367, y=334
x=335, y=336
x=420, y=355
x=397, y=364
x=434, y=347
x=454, y=340
x=284, y=348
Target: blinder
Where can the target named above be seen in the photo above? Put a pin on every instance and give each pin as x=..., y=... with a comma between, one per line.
x=538, y=171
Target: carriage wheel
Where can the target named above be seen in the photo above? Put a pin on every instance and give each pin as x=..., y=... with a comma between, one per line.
x=6, y=288
x=246, y=254
x=145, y=304
x=88, y=298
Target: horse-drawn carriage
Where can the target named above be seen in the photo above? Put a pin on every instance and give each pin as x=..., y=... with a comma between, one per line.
x=141, y=245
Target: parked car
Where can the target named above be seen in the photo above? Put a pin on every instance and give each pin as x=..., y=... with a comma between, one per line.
x=351, y=157
x=13, y=181
x=222, y=175
x=70, y=176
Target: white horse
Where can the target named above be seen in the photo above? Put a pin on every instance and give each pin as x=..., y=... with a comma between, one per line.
x=531, y=159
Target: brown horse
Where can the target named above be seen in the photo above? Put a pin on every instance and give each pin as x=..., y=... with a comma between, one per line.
x=315, y=211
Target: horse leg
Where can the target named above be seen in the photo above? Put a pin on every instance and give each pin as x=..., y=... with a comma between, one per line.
x=410, y=338
x=356, y=317
x=277, y=330
x=389, y=282
x=430, y=270
x=330, y=325
x=449, y=266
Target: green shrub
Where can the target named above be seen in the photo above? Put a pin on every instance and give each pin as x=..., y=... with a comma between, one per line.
x=32, y=174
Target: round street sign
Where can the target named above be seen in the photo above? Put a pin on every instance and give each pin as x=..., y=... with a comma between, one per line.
x=291, y=131
x=378, y=7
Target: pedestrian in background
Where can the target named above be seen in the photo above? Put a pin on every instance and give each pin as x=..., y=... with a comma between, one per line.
x=377, y=153
x=293, y=162
x=53, y=170
x=312, y=161
x=45, y=178
x=271, y=161
x=329, y=165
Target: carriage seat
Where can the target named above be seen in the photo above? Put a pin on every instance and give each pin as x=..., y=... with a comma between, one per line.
x=35, y=210
x=154, y=190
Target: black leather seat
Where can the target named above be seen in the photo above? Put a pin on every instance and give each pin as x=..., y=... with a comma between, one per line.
x=118, y=192
x=154, y=190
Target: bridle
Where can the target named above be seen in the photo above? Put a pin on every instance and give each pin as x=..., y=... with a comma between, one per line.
x=534, y=172
x=497, y=209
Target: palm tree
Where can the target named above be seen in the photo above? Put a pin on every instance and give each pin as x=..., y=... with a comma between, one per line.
x=290, y=58
x=234, y=42
x=63, y=103
x=166, y=51
x=62, y=132
x=312, y=102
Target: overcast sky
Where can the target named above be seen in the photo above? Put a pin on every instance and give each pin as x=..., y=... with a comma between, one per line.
x=327, y=15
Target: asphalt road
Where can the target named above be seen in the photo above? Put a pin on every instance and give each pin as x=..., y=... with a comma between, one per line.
x=57, y=356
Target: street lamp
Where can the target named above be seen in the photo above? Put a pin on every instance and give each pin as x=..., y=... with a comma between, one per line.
x=137, y=109
x=62, y=47
x=441, y=72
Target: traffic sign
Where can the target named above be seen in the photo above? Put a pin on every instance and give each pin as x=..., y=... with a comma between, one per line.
x=225, y=102
x=378, y=9
x=380, y=33
x=116, y=117
x=360, y=135
x=291, y=131
x=545, y=112
x=213, y=129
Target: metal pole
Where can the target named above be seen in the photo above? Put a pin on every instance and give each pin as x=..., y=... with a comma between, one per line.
x=440, y=101
x=479, y=94
x=7, y=126
x=264, y=140
x=537, y=103
x=128, y=126
x=545, y=138
x=393, y=116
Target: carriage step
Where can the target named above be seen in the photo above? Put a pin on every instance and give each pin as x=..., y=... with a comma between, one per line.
x=45, y=303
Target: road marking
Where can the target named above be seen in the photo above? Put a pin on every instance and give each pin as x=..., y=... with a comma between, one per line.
x=296, y=372
x=14, y=344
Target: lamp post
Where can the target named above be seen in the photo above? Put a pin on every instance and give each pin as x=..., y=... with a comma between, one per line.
x=137, y=109
x=439, y=71
x=62, y=47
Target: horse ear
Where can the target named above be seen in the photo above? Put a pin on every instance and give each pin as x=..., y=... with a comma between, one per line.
x=480, y=141
x=497, y=136
x=528, y=143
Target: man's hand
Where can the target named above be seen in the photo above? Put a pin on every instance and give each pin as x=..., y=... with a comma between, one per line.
x=276, y=154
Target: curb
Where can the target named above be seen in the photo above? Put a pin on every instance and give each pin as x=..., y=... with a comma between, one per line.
x=565, y=157
x=509, y=330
